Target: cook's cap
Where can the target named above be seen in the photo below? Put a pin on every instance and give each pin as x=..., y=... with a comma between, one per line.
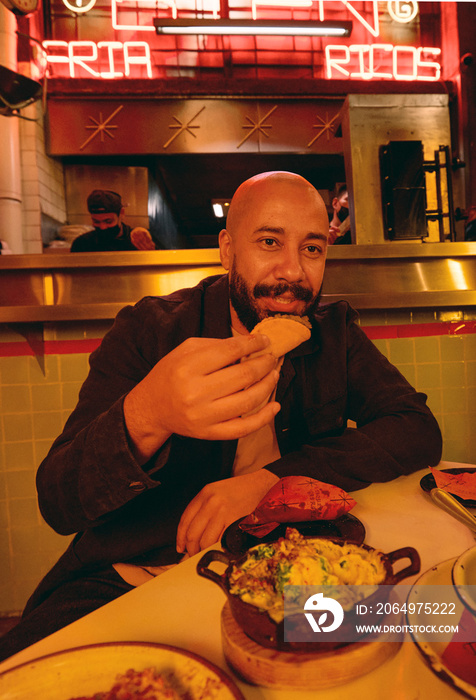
x=104, y=202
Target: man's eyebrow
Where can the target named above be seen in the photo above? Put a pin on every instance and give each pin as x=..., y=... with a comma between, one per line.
x=281, y=232
x=269, y=229
x=317, y=236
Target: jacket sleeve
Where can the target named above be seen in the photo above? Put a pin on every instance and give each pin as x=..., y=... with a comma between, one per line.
x=90, y=470
x=395, y=432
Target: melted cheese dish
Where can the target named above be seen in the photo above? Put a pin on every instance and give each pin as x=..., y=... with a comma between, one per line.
x=295, y=560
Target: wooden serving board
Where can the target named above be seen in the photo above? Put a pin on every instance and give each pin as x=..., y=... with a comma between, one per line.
x=291, y=670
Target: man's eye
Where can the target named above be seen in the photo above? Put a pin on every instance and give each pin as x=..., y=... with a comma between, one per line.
x=313, y=249
x=269, y=242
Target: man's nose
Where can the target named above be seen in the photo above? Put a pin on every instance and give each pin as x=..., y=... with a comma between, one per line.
x=289, y=267
x=102, y=225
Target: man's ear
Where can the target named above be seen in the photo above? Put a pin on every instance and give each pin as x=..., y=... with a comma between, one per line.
x=224, y=241
x=335, y=202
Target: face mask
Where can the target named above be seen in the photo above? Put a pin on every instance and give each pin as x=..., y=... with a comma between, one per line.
x=112, y=231
x=342, y=214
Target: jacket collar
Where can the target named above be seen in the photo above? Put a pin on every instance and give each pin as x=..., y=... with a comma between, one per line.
x=216, y=308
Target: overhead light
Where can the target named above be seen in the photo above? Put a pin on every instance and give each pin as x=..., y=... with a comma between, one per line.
x=220, y=207
x=262, y=27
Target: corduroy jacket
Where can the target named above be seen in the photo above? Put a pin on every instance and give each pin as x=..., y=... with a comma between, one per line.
x=91, y=484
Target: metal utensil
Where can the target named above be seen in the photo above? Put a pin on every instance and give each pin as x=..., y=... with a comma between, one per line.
x=447, y=502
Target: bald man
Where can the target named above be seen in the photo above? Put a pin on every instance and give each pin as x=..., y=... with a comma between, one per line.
x=173, y=439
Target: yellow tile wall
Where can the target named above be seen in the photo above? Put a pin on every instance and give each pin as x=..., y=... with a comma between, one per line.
x=37, y=395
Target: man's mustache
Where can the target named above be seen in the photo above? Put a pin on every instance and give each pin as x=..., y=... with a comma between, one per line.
x=274, y=290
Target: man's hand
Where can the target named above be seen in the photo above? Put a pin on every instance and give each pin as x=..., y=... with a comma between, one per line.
x=218, y=505
x=334, y=233
x=201, y=390
x=141, y=239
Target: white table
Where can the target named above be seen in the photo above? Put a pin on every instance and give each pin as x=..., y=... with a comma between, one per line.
x=183, y=609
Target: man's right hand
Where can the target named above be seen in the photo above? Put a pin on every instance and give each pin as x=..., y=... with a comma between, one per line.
x=202, y=390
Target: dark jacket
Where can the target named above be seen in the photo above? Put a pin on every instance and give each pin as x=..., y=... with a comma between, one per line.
x=90, y=482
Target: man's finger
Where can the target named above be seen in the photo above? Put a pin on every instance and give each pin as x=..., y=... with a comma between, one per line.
x=236, y=428
x=187, y=516
x=215, y=354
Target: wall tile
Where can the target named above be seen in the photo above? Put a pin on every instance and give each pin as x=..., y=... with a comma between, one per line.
x=47, y=425
x=23, y=512
x=48, y=372
x=73, y=368
x=17, y=427
x=4, y=516
x=409, y=372
x=469, y=342
x=21, y=484
x=452, y=347
x=402, y=350
x=427, y=349
x=19, y=456
x=471, y=374
x=455, y=400
x=15, y=398
x=382, y=345
x=14, y=370
x=428, y=376
x=69, y=395
x=453, y=374
x=46, y=397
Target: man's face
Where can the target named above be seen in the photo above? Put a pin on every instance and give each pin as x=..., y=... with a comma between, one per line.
x=275, y=252
x=105, y=221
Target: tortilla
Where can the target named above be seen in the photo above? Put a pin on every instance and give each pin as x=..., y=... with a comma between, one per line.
x=284, y=332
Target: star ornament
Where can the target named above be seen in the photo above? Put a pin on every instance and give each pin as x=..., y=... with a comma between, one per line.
x=326, y=126
x=101, y=127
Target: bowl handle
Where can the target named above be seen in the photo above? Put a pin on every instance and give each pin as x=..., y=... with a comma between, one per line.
x=405, y=553
x=206, y=560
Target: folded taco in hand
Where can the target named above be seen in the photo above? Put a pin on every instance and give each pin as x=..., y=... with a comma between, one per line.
x=285, y=333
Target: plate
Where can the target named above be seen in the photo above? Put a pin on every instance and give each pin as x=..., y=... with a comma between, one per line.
x=90, y=669
x=432, y=652
x=463, y=575
x=428, y=482
x=347, y=528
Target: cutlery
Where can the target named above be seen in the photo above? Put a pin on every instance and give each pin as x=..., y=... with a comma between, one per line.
x=447, y=502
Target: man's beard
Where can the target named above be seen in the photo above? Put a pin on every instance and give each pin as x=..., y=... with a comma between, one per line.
x=244, y=301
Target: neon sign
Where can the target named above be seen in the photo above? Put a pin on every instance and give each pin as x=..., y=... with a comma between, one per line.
x=122, y=53
x=341, y=59
x=82, y=55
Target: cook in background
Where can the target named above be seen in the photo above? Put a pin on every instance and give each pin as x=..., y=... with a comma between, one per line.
x=470, y=226
x=174, y=439
x=110, y=232
x=339, y=225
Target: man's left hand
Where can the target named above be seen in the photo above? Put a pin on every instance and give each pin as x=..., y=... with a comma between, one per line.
x=218, y=505
x=141, y=239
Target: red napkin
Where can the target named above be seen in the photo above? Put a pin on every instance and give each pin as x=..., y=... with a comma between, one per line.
x=295, y=499
x=462, y=485
x=460, y=657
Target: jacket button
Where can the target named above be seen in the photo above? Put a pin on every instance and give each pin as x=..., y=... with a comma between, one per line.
x=136, y=486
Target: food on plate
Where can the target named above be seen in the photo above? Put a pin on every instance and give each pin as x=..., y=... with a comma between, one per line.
x=285, y=332
x=295, y=499
x=149, y=684
x=260, y=578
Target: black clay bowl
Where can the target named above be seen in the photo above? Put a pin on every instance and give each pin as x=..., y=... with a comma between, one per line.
x=260, y=627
